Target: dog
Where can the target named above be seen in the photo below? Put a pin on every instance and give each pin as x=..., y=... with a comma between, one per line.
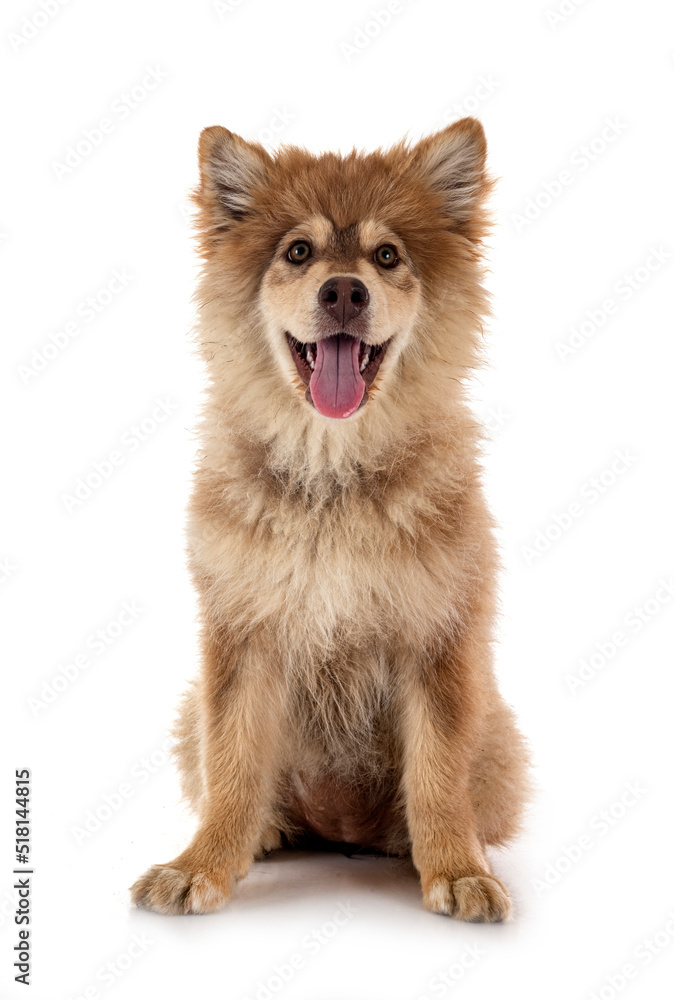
x=338, y=537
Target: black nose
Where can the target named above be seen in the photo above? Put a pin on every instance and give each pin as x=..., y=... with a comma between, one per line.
x=343, y=298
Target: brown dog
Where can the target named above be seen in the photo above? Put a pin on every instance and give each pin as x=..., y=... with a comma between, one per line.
x=339, y=539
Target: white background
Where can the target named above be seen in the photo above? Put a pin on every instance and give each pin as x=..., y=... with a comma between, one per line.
x=543, y=91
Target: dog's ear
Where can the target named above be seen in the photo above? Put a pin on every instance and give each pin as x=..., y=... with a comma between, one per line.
x=453, y=163
x=231, y=169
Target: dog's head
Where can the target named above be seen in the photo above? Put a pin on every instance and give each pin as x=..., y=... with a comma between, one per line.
x=334, y=283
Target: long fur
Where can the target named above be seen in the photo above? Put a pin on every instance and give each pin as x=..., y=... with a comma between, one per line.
x=346, y=569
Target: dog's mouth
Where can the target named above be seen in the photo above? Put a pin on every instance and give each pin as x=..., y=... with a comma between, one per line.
x=337, y=371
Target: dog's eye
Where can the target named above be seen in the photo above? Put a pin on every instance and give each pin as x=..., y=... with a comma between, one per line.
x=386, y=256
x=299, y=252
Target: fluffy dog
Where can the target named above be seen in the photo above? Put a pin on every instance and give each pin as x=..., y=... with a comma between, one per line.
x=338, y=536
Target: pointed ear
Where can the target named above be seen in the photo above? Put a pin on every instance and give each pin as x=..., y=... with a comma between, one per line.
x=453, y=164
x=231, y=169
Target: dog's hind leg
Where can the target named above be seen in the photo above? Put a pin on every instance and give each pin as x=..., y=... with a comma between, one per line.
x=269, y=841
x=186, y=749
x=500, y=783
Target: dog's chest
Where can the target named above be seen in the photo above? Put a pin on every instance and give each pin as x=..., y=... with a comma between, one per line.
x=349, y=569
x=346, y=570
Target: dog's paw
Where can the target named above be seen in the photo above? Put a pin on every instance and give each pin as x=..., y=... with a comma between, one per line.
x=269, y=841
x=477, y=898
x=168, y=889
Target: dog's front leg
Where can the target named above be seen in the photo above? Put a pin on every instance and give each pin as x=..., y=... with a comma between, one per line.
x=442, y=712
x=240, y=720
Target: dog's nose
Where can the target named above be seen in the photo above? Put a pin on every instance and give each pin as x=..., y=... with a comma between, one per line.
x=343, y=298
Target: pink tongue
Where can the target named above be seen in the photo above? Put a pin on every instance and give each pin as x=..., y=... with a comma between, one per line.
x=336, y=385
